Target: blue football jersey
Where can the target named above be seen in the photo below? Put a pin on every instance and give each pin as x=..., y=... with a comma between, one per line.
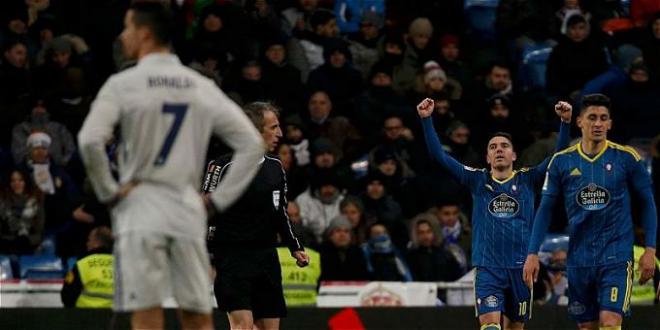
x=502, y=215
x=596, y=192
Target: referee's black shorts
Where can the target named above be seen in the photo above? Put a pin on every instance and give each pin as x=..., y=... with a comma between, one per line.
x=249, y=279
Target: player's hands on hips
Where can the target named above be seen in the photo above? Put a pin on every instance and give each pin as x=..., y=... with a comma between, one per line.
x=564, y=110
x=531, y=269
x=646, y=265
x=302, y=259
x=426, y=107
x=123, y=191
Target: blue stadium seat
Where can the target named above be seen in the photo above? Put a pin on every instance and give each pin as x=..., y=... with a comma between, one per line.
x=554, y=242
x=47, y=246
x=5, y=268
x=533, y=66
x=480, y=16
x=41, y=267
x=70, y=263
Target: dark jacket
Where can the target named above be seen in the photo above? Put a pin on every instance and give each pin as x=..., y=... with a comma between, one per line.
x=342, y=265
x=433, y=264
x=572, y=64
x=258, y=216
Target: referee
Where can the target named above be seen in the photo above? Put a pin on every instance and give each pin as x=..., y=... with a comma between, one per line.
x=243, y=239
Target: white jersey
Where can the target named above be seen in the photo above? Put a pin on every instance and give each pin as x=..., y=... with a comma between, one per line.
x=166, y=113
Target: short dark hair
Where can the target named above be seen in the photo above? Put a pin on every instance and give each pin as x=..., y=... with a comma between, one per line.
x=502, y=134
x=157, y=17
x=103, y=235
x=255, y=112
x=595, y=100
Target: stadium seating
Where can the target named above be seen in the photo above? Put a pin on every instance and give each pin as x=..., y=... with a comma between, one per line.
x=480, y=16
x=533, y=66
x=5, y=268
x=41, y=267
x=552, y=243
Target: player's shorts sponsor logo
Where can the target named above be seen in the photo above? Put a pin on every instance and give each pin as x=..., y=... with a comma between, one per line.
x=490, y=301
x=576, y=308
x=593, y=197
x=503, y=206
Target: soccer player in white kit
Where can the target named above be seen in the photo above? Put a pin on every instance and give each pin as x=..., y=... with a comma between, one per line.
x=166, y=114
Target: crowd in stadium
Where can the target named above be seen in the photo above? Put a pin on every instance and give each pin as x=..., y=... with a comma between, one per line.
x=347, y=76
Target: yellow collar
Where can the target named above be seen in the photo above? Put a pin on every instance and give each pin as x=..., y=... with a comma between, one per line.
x=600, y=153
x=513, y=173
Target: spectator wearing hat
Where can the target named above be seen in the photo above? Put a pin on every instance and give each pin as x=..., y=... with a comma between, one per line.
x=380, y=207
x=61, y=146
x=281, y=80
x=342, y=260
x=338, y=78
x=419, y=50
x=319, y=204
x=66, y=73
x=60, y=193
x=578, y=57
x=450, y=59
x=498, y=81
x=364, y=44
x=433, y=80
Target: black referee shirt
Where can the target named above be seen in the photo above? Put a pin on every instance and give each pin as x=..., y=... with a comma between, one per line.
x=258, y=216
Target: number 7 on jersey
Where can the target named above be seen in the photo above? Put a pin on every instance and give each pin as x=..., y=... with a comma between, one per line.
x=179, y=111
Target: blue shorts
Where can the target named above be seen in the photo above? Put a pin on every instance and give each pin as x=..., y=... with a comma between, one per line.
x=592, y=289
x=502, y=290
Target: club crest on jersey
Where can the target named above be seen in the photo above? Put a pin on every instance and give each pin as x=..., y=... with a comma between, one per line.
x=503, y=206
x=276, y=199
x=490, y=301
x=593, y=197
x=608, y=167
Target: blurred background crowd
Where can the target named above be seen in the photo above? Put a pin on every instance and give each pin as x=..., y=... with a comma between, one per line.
x=347, y=75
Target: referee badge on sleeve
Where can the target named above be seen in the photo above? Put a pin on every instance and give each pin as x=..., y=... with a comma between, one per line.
x=276, y=198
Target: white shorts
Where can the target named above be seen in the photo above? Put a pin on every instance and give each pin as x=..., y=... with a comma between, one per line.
x=150, y=267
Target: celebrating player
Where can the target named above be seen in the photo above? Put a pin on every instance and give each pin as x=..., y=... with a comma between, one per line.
x=166, y=114
x=503, y=208
x=595, y=177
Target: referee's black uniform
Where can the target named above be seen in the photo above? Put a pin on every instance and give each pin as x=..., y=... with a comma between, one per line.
x=243, y=239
